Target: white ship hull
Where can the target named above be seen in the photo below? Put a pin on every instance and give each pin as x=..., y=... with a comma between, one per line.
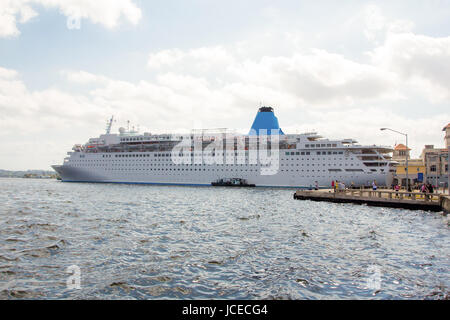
x=291, y=173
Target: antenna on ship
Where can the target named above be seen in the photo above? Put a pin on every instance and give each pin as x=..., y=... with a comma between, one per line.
x=109, y=125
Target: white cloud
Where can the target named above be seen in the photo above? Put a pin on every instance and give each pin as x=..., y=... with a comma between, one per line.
x=11, y=13
x=421, y=61
x=7, y=73
x=304, y=76
x=376, y=25
x=105, y=12
x=83, y=77
x=204, y=60
x=374, y=21
x=222, y=86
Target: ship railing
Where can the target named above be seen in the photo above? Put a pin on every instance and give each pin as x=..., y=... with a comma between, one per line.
x=391, y=195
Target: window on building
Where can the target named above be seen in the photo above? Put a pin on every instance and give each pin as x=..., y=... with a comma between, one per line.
x=433, y=168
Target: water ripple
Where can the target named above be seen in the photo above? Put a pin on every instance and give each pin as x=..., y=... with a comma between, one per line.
x=156, y=242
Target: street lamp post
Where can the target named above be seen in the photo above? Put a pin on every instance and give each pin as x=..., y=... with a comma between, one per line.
x=406, y=153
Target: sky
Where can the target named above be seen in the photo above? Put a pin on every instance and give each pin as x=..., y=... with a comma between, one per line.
x=341, y=68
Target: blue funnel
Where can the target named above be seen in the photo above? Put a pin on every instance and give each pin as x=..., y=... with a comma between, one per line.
x=265, y=120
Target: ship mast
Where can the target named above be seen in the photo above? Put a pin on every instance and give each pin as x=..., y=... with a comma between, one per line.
x=109, y=125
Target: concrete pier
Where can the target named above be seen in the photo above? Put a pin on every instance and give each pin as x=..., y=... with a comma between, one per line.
x=445, y=203
x=381, y=198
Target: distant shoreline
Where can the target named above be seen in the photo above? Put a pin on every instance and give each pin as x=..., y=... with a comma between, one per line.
x=37, y=174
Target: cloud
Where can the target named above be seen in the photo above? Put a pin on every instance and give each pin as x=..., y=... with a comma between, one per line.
x=83, y=77
x=11, y=13
x=376, y=25
x=303, y=76
x=421, y=61
x=8, y=73
x=198, y=61
x=222, y=86
x=104, y=12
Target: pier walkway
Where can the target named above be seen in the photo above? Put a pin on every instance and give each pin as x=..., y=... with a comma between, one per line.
x=379, y=198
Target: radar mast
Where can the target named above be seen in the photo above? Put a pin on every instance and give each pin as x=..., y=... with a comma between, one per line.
x=109, y=125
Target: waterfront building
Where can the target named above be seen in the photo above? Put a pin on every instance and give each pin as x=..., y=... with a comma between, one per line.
x=416, y=167
x=436, y=161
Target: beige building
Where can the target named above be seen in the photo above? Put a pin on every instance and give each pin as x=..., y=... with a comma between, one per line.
x=436, y=161
x=447, y=136
x=416, y=167
x=401, y=152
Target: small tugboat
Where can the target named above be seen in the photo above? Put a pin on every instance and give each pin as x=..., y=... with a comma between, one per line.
x=233, y=182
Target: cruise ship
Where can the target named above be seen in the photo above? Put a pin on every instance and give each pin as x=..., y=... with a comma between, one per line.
x=266, y=156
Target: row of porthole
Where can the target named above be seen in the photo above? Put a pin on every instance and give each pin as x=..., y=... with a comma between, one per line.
x=166, y=170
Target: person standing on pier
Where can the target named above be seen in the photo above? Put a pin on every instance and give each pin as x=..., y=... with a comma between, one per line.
x=425, y=190
x=374, y=186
